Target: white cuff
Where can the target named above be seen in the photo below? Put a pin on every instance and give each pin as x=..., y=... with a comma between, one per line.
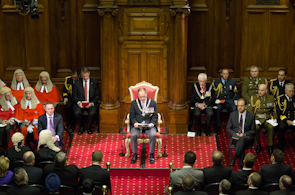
x=57, y=138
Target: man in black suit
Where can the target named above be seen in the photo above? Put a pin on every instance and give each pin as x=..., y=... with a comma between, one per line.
x=99, y=175
x=85, y=96
x=241, y=126
x=272, y=173
x=68, y=174
x=277, y=86
x=239, y=178
x=21, y=179
x=217, y=172
x=202, y=100
x=188, y=184
x=35, y=174
x=285, y=184
x=254, y=181
x=54, y=122
x=143, y=118
x=224, y=187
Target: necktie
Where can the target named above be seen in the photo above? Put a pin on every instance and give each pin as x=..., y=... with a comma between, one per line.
x=225, y=82
x=241, y=124
x=85, y=90
x=51, y=126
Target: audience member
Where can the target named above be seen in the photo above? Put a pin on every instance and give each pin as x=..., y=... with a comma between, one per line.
x=52, y=183
x=16, y=153
x=21, y=179
x=272, y=173
x=227, y=95
x=285, y=183
x=6, y=176
x=188, y=184
x=35, y=174
x=254, y=181
x=224, y=187
x=88, y=186
x=47, y=150
x=46, y=91
x=53, y=122
x=18, y=84
x=98, y=175
x=239, y=178
x=8, y=106
x=277, y=86
x=68, y=174
x=217, y=172
x=176, y=177
x=202, y=100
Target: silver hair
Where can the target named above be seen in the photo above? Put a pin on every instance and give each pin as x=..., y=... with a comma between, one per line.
x=202, y=75
x=289, y=85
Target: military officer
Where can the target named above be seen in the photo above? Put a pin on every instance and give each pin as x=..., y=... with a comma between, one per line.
x=263, y=106
x=277, y=86
x=68, y=100
x=286, y=112
x=227, y=95
x=251, y=84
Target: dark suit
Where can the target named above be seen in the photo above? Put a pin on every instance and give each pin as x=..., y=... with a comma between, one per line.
x=68, y=174
x=78, y=96
x=99, y=175
x=272, y=173
x=275, y=89
x=216, y=173
x=249, y=131
x=190, y=193
x=282, y=192
x=136, y=116
x=45, y=154
x=208, y=98
x=23, y=190
x=57, y=124
x=251, y=192
x=239, y=178
x=35, y=174
x=225, y=91
x=13, y=155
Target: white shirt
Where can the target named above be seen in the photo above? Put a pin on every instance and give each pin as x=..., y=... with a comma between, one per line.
x=288, y=98
x=87, y=88
x=244, y=117
x=187, y=167
x=9, y=105
x=43, y=87
x=19, y=86
x=281, y=83
x=28, y=103
x=48, y=124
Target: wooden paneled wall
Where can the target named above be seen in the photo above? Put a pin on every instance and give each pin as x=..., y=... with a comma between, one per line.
x=244, y=35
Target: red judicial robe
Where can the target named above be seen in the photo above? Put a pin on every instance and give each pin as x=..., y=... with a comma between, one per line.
x=54, y=96
x=18, y=94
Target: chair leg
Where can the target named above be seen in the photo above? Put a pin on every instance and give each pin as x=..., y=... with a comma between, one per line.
x=159, y=141
x=127, y=141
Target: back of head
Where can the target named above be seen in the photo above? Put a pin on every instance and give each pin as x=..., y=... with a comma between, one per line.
x=21, y=177
x=225, y=186
x=278, y=156
x=4, y=165
x=285, y=182
x=88, y=185
x=255, y=179
x=249, y=160
x=97, y=156
x=60, y=159
x=16, y=139
x=190, y=158
x=45, y=138
x=217, y=157
x=188, y=183
x=52, y=182
x=28, y=158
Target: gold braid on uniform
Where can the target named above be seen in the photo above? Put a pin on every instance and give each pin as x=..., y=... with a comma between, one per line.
x=257, y=104
x=273, y=91
x=218, y=89
x=282, y=107
x=69, y=88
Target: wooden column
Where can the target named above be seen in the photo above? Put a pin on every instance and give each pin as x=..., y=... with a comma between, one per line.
x=109, y=108
x=178, y=113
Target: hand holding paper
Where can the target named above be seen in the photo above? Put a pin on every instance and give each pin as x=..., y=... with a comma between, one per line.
x=257, y=122
x=273, y=122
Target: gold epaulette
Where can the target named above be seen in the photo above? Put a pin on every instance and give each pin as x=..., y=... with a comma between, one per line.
x=66, y=82
x=218, y=89
x=256, y=105
x=282, y=107
x=273, y=91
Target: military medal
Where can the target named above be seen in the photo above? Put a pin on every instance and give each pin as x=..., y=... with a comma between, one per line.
x=230, y=87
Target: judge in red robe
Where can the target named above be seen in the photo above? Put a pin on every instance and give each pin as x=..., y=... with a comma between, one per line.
x=18, y=84
x=28, y=112
x=8, y=107
x=46, y=91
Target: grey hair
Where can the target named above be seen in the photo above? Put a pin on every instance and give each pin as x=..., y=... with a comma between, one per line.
x=202, y=75
x=289, y=85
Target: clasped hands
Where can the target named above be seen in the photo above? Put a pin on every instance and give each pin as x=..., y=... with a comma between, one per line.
x=136, y=125
x=240, y=134
x=202, y=106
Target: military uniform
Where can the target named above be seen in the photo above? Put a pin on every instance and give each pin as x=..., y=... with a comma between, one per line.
x=208, y=97
x=264, y=109
x=285, y=111
x=250, y=86
x=225, y=91
x=67, y=93
x=276, y=89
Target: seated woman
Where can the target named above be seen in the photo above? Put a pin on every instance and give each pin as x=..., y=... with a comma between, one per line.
x=6, y=176
x=46, y=148
x=16, y=153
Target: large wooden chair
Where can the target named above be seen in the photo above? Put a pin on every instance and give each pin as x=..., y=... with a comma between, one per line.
x=152, y=93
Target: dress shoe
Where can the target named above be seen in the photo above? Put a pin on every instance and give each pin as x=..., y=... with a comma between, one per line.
x=81, y=130
x=270, y=149
x=89, y=131
x=258, y=148
x=208, y=134
x=152, y=159
x=134, y=158
x=199, y=133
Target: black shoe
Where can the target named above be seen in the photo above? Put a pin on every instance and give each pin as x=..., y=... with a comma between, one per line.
x=217, y=130
x=258, y=148
x=152, y=159
x=232, y=162
x=270, y=149
x=208, y=134
x=134, y=158
x=89, y=131
x=81, y=130
x=199, y=133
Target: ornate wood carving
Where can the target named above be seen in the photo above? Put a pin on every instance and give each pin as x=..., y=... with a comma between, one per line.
x=113, y=10
x=184, y=10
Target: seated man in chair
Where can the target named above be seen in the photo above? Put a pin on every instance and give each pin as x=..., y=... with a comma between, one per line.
x=143, y=117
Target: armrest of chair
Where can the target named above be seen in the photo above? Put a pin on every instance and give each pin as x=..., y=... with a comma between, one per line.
x=159, y=121
x=127, y=121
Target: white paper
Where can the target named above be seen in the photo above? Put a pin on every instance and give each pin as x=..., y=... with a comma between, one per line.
x=257, y=122
x=273, y=122
x=294, y=122
x=191, y=134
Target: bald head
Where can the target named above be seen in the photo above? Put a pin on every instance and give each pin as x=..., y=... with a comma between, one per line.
x=262, y=90
x=29, y=158
x=285, y=182
x=217, y=157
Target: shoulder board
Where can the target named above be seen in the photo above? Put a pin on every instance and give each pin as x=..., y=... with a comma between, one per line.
x=68, y=77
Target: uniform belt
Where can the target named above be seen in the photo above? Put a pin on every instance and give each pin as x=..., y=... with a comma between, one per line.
x=263, y=115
